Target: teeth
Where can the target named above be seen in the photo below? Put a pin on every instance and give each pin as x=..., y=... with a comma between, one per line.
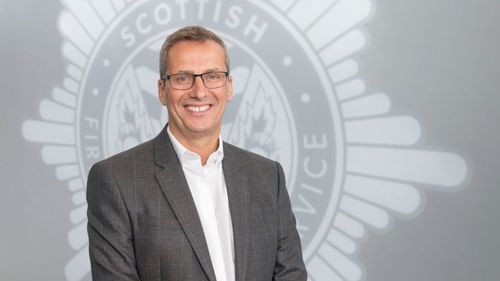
x=197, y=108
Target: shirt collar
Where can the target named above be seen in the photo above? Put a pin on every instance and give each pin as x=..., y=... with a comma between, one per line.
x=185, y=155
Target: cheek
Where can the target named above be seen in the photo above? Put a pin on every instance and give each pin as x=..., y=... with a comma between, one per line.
x=225, y=96
x=170, y=99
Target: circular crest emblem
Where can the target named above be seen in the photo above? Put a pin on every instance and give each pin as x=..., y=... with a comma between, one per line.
x=297, y=99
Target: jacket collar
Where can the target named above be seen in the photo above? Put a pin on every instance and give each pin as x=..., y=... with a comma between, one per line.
x=176, y=190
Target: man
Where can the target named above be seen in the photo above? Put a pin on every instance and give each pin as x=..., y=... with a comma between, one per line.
x=186, y=205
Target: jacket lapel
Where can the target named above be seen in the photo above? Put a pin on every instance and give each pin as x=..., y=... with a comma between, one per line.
x=238, y=195
x=176, y=190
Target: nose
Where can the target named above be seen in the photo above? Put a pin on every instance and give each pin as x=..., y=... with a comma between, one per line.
x=199, y=90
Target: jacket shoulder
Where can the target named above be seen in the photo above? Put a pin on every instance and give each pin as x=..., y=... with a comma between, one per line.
x=252, y=162
x=140, y=153
x=246, y=156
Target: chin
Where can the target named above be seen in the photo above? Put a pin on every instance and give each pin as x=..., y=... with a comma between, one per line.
x=201, y=129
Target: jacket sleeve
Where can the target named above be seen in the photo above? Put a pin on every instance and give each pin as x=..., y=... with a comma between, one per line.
x=289, y=263
x=109, y=228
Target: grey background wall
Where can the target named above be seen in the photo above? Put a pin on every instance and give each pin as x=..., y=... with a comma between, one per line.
x=436, y=63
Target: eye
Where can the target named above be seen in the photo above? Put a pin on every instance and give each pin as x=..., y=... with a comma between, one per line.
x=182, y=78
x=213, y=76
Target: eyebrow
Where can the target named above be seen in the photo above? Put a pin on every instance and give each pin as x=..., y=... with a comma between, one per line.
x=192, y=72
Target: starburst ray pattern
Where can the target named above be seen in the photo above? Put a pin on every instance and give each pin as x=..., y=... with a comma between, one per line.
x=381, y=168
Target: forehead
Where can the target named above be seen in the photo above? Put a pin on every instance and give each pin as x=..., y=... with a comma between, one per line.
x=195, y=56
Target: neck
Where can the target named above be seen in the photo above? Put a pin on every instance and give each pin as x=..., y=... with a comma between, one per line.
x=201, y=144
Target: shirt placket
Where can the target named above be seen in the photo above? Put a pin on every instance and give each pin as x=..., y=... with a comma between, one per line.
x=209, y=186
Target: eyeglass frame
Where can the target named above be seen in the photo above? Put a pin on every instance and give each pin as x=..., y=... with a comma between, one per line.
x=167, y=77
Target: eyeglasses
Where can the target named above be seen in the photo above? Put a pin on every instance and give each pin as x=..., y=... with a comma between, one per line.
x=185, y=81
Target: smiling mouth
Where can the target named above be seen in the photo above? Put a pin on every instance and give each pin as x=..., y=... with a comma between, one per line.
x=197, y=108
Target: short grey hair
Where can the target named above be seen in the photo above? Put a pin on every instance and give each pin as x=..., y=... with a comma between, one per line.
x=189, y=33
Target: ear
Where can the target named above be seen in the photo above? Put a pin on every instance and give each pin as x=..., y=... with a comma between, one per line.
x=229, y=89
x=162, y=91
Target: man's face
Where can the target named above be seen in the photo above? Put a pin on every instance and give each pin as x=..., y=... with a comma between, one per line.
x=196, y=112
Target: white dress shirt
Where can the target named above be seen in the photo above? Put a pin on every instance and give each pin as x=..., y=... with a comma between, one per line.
x=208, y=189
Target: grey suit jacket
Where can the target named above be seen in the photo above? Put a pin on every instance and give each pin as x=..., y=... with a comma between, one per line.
x=143, y=223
